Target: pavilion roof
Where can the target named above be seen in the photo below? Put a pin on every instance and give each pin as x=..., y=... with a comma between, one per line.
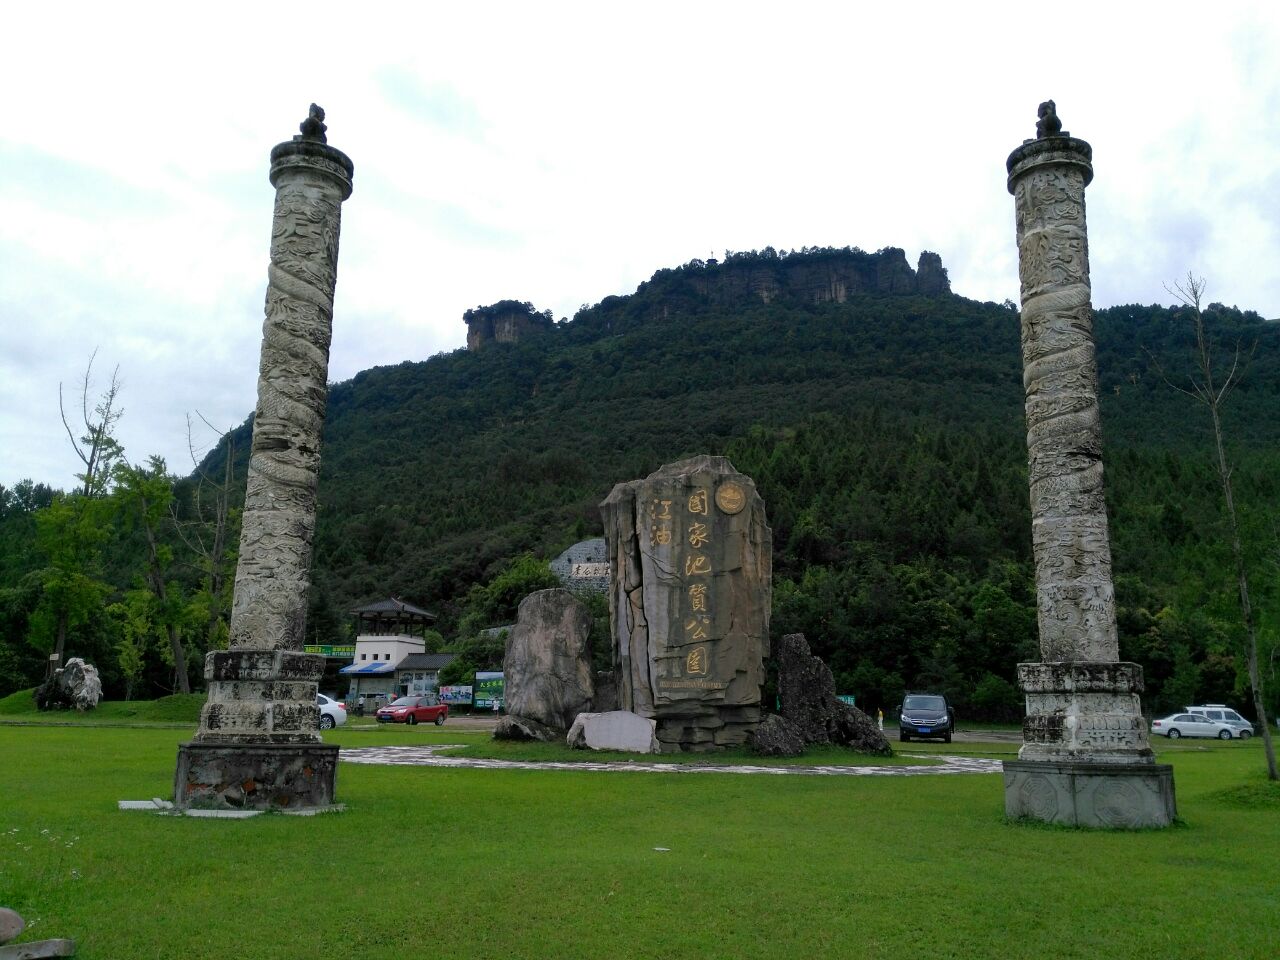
x=393, y=607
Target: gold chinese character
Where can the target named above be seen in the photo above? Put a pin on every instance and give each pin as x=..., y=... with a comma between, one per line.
x=698, y=596
x=664, y=513
x=698, y=535
x=697, y=628
x=696, y=563
x=696, y=662
x=659, y=535
x=698, y=503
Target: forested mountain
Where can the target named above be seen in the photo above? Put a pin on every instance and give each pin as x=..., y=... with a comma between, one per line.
x=882, y=424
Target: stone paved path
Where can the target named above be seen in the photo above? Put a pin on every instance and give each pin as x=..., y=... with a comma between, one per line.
x=427, y=756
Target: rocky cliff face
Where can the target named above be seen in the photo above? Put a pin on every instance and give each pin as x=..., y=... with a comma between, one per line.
x=503, y=322
x=812, y=275
x=819, y=278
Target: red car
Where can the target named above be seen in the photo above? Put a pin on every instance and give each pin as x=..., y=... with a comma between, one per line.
x=411, y=710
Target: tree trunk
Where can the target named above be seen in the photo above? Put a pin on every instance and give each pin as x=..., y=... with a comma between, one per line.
x=179, y=659
x=217, y=574
x=60, y=647
x=1246, y=608
x=156, y=576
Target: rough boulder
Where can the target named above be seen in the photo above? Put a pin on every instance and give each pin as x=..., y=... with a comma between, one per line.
x=522, y=728
x=548, y=661
x=75, y=686
x=807, y=697
x=777, y=737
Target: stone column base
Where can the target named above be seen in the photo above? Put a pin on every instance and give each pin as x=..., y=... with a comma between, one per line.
x=1114, y=796
x=255, y=776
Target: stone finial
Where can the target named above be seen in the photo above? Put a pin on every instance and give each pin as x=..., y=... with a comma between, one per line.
x=313, y=127
x=1047, y=126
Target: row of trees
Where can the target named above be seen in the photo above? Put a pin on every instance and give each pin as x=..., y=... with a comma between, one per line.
x=128, y=569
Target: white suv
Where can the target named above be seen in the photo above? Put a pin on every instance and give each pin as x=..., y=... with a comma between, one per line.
x=1240, y=727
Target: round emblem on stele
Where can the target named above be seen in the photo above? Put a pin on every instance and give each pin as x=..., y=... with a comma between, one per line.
x=731, y=498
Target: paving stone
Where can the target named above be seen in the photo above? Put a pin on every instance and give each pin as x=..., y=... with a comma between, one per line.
x=427, y=755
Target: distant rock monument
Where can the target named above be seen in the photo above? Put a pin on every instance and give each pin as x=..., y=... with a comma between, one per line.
x=691, y=566
x=258, y=745
x=1085, y=758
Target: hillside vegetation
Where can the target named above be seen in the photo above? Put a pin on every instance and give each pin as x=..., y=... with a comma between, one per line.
x=885, y=434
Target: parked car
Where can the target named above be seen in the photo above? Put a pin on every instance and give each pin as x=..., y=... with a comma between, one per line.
x=1220, y=711
x=333, y=713
x=417, y=709
x=925, y=716
x=1191, y=725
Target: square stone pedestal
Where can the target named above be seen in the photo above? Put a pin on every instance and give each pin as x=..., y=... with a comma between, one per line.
x=256, y=776
x=1125, y=796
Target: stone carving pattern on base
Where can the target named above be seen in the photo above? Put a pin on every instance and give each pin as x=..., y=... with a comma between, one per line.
x=1039, y=798
x=1117, y=803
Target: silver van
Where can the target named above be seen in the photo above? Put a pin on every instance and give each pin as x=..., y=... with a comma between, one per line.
x=1224, y=714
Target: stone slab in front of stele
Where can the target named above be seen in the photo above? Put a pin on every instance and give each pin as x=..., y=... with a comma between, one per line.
x=614, y=730
x=1103, y=795
x=255, y=776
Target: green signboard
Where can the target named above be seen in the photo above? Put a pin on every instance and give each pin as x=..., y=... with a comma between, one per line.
x=488, y=691
x=331, y=650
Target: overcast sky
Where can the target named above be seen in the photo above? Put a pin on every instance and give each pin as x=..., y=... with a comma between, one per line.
x=561, y=153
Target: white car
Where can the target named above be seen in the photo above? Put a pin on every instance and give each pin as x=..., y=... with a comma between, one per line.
x=1191, y=725
x=1220, y=711
x=333, y=713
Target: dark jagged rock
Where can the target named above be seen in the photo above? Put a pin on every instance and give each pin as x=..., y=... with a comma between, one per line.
x=807, y=697
x=776, y=736
x=522, y=728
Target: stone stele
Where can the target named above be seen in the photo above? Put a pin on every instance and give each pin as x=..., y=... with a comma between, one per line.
x=547, y=665
x=691, y=566
x=1085, y=758
x=258, y=745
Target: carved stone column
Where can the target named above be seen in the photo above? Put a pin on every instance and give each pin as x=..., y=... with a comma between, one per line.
x=1085, y=757
x=258, y=744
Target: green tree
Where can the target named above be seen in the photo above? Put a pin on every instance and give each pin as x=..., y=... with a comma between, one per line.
x=145, y=495
x=136, y=633
x=69, y=533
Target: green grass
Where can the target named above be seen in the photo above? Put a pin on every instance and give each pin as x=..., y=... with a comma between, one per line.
x=562, y=864
x=181, y=708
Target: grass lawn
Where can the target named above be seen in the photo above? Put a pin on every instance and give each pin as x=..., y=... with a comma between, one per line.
x=181, y=709
x=514, y=864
